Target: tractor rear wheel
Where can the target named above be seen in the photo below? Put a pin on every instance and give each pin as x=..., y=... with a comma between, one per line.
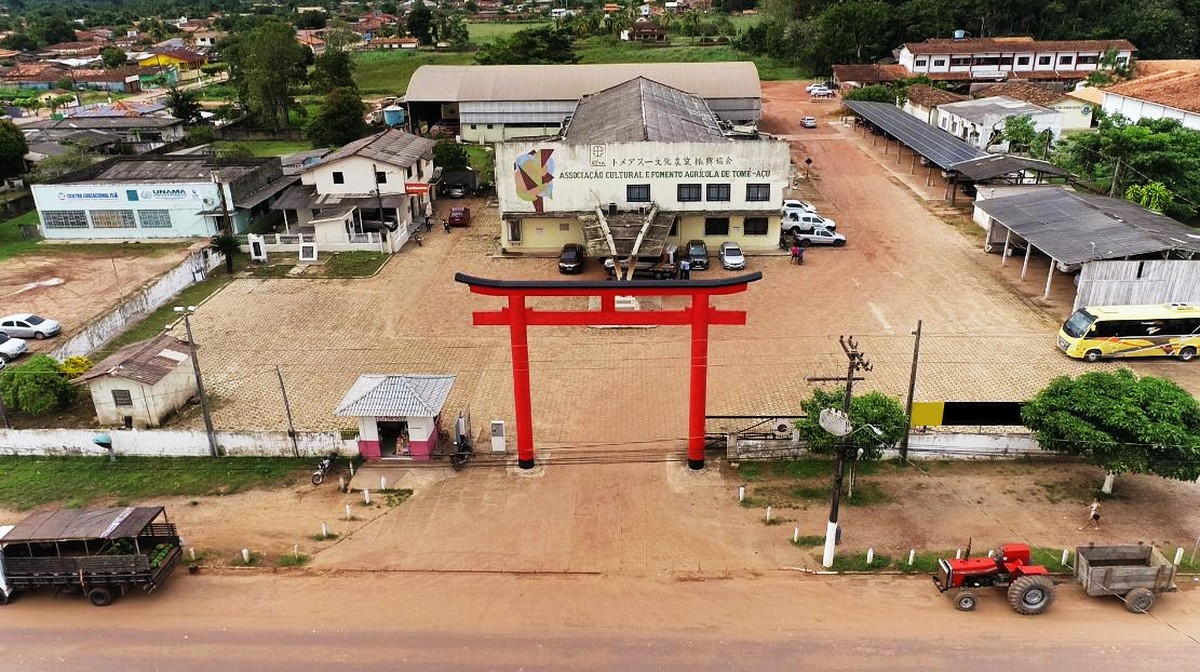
x=1031, y=594
x=1140, y=600
x=965, y=601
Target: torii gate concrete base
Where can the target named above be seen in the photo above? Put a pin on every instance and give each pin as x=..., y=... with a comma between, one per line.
x=518, y=317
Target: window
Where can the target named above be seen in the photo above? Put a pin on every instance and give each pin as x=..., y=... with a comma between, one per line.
x=755, y=226
x=380, y=177
x=1066, y=60
x=155, y=219
x=338, y=177
x=514, y=230
x=65, y=219
x=920, y=62
x=1122, y=60
x=1087, y=60
x=758, y=192
x=718, y=192
x=564, y=226
x=689, y=193
x=716, y=226
x=1022, y=60
x=939, y=62
x=113, y=219
x=1043, y=60
x=986, y=60
x=637, y=193
x=960, y=60
x=489, y=127
x=122, y=398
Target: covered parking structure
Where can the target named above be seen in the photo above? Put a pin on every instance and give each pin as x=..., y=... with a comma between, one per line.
x=1075, y=229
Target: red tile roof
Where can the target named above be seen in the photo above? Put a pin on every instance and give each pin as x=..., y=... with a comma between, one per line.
x=991, y=45
x=1180, y=90
x=927, y=96
x=870, y=74
x=1030, y=93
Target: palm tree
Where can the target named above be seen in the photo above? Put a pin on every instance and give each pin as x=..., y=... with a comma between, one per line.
x=227, y=245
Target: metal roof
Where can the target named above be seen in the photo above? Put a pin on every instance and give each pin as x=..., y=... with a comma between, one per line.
x=192, y=168
x=1074, y=228
x=305, y=197
x=391, y=146
x=77, y=524
x=458, y=83
x=147, y=361
x=999, y=165
x=939, y=147
x=642, y=110
x=985, y=110
x=396, y=396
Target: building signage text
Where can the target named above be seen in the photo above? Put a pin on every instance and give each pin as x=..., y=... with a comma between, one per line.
x=167, y=194
x=88, y=196
x=661, y=174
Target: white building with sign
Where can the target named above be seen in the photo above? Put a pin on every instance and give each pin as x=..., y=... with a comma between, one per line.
x=157, y=197
x=638, y=166
x=998, y=58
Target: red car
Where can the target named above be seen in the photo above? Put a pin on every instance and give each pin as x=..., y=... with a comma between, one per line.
x=460, y=216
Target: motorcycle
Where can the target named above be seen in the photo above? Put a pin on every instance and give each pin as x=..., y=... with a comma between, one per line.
x=462, y=454
x=324, y=467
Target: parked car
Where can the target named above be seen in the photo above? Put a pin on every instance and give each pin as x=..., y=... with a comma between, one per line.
x=797, y=204
x=821, y=92
x=821, y=236
x=572, y=257
x=659, y=268
x=697, y=254
x=815, y=85
x=456, y=190
x=797, y=221
x=28, y=325
x=731, y=256
x=11, y=348
x=460, y=216
x=809, y=122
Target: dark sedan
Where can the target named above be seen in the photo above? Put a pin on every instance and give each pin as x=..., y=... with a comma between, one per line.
x=572, y=258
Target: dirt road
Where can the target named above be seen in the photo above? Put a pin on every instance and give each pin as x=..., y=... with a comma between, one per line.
x=783, y=621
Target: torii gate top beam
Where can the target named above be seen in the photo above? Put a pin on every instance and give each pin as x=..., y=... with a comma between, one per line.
x=714, y=287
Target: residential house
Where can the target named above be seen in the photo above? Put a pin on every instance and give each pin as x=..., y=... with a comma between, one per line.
x=1074, y=115
x=393, y=43
x=370, y=24
x=146, y=197
x=184, y=59
x=856, y=76
x=143, y=383
x=644, y=30
x=33, y=75
x=126, y=79
x=313, y=8
x=120, y=108
x=373, y=191
x=1167, y=95
x=923, y=100
x=1000, y=58
x=207, y=39
x=980, y=122
x=314, y=43
x=69, y=49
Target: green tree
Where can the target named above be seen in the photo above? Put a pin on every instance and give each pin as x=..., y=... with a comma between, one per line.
x=874, y=408
x=53, y=166
x=332, y=70
x=13, y=148
x=113, y=57
x=876, y=93
x=450, y=27
x=1122, y=423
x=1153, y=196
x=53, y=30
x=266, y=65
x=420, y=23
x=228, y=245
x=450, y=156
x=339, y=121
x=19, y=42
x=311, y=20
x=541, y=45
x=184, y=105
x=1019, y=133
x=36, y=387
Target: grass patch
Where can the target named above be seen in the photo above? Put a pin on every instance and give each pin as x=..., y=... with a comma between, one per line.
x=925, y=562
x=266, y=148
x=487, y=32
x=857, y=562
x=1050, y=558
x=11, y=242
x=1081, y=491
x=1189, y=564
x=153, y=324
x=220, y=91
x=809, y=541
x=388, y=72
x=324, y=537
x=256, y=559
x=354, y=264
x=482, y=159
x=29, y=482
x=394, y=497
x=293, y=560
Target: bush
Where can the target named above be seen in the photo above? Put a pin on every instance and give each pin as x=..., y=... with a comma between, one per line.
x=75, y=366
x=36, y=387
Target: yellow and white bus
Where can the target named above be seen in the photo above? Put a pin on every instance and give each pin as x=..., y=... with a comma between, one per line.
x=1171, y=329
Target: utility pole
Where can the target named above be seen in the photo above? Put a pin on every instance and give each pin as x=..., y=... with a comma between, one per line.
x=208, y=426
x=855, y=362
x=379, y=195
x=1112, y=188
x=912, y=388
x=288, y=407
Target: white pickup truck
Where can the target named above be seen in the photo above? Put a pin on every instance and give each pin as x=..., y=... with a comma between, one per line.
x=798, y=221
x=820, y=236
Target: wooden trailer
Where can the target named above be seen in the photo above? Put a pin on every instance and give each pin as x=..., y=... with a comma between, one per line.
x=1136, y=573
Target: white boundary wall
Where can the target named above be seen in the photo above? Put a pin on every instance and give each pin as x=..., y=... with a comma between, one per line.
x=170, y=443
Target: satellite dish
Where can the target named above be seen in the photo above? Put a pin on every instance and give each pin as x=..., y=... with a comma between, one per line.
x=834, y=421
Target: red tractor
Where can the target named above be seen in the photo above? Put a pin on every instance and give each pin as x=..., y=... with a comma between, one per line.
x=1030, y=590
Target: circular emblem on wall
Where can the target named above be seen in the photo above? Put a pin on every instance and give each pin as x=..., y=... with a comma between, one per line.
x=1087, y=110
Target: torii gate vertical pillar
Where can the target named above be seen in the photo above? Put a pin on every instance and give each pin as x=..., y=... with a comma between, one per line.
x=699, y=387
x=523, y=404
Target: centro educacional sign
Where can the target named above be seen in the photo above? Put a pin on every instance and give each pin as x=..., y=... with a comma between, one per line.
x=93, y=195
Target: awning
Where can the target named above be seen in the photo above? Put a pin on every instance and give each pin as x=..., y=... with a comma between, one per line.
x=302, y=197
x=257, y=197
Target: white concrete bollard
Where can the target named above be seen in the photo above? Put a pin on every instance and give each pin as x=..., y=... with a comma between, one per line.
x=324, y=529
x=991, y=552
x=741, y=493
x=296, y=550
x=1066, y=556
x=348, y=515
x=768, y=514
x=870, y=556
x=342, y=483
x=192, y=552
x=352, y=469
x=796, y=536
x=912, y=555
x=246, y=555
x=366, y=496
x=958, y=554
x=383, y=482
x=1178, y=555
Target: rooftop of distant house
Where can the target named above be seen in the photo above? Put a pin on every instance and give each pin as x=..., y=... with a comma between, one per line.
x=981, y=110
x=151, y=169
x=1179, y=90
x=928, y=96
x=1030, y=93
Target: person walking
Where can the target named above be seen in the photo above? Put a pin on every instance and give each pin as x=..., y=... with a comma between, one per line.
x=795, y=253
x=685, y=269
x=446, y=224
x=428, y=224
x=1093, y=515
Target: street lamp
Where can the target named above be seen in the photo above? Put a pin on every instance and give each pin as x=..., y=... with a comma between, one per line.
x=208, y=426
x=858, y=454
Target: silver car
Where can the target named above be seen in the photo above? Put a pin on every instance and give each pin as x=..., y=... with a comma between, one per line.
x=28, y=325
x=731, y=256
x=11, y=348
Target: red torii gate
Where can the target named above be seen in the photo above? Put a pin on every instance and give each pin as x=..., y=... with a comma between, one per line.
x=518, y=317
